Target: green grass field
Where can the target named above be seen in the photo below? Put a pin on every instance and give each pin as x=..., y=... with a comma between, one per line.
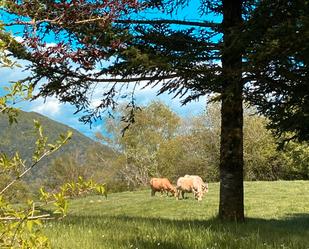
x=277, y=217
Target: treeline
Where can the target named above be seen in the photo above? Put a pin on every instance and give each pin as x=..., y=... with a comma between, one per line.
x=161, y=143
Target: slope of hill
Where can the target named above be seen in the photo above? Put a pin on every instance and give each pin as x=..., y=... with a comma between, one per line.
x=21, y=137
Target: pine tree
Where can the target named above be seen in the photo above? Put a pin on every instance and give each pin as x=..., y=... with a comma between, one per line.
x=258, y=54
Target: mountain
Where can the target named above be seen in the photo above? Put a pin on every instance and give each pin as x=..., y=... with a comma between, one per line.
x=21, y=137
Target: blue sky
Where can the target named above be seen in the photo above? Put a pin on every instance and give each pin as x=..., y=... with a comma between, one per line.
x=64, y=113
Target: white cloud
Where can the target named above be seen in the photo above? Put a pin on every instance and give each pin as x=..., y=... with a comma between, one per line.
x=51, y=107
x=19, y=38
x=146, y=95
x=64, y=112
x=94, y=103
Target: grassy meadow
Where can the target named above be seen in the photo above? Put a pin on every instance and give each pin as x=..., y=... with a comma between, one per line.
x=277, y=217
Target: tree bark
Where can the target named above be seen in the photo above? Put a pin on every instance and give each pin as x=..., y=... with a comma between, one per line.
x=231, y=205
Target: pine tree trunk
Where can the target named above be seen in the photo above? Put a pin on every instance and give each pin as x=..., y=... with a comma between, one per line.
x=231, y=205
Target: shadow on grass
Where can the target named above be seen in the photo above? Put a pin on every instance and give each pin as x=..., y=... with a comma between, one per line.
x=293, y=225
x=291, y=222
x=292, y=231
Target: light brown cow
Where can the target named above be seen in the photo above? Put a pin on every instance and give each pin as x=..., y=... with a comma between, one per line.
x=161, y=185
x=184, y=185
x=191, y=183
x=198, y=184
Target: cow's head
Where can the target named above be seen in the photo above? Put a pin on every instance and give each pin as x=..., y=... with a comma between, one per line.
x=173, y=191
x=205, y=188
x=199, y=195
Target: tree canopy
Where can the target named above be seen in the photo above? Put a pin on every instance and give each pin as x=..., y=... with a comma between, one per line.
x=181, y=54
x=277, y=67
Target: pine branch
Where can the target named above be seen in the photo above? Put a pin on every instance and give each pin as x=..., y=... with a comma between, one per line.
x=170, y=21
x=57, y=21
x=134, y=79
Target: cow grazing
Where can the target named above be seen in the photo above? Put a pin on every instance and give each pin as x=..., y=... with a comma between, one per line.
x=161, y=185
x=191, y=183
x=184, y=185
x=198, y=183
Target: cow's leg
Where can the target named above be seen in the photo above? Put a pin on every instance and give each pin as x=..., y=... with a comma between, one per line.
x=195, y=193
x=177, y=193
x=199, y=195
x=183, y=194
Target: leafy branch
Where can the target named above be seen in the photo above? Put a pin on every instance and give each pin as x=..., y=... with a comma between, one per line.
x=71, y=190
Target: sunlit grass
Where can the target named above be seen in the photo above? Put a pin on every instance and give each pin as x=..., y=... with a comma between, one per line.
x=277, y=217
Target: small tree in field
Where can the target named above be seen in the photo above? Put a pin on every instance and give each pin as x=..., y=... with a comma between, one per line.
x=138, y=148
x=259, y=63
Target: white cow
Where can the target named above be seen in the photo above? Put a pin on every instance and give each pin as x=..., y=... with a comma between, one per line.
x=184, y=185
x=199, y=186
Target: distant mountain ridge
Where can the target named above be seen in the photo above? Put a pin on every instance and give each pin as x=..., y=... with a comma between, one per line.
x=20, y=137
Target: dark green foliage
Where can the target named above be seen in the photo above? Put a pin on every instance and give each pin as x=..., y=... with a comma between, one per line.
x=296, y=159
x=277, y=64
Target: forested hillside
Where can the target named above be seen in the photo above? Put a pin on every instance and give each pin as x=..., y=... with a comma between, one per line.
x=20, y=137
